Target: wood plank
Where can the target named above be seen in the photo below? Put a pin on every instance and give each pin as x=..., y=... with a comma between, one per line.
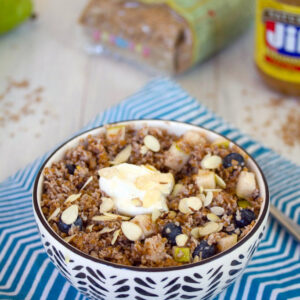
x=49, y=52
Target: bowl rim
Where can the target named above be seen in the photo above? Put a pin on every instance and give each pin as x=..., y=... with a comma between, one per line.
x=146, y=269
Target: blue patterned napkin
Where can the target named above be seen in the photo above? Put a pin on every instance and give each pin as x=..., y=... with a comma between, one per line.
x=274, y=272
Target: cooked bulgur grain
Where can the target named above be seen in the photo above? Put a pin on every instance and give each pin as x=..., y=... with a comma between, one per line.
x=211, y=220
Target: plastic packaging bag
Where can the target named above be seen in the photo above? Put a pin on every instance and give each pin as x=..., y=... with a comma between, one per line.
x=171, y=36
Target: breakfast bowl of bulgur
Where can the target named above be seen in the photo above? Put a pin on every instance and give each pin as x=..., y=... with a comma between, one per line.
x=150, y=209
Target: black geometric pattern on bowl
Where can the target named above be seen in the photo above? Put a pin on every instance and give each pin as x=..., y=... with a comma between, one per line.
x=93, y=283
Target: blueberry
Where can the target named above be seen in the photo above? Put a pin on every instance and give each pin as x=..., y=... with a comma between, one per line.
x=204, y=250
x=170, y=231
x=71, y=168
x=65, y=227
x=227, y=160
x=78, y=223
x=244, y=217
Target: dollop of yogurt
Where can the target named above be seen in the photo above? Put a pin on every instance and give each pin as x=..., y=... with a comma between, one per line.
x=136, y=189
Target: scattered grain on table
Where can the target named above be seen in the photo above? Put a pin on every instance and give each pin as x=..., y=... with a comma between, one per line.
x=19, y=100
x=283, y=114
x=290, y=128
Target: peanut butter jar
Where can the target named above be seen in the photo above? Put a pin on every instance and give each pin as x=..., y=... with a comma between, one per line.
x=277, y=48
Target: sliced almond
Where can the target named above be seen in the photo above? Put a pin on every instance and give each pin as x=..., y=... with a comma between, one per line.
x=195, y=232
x=152, y=143
x=90, y=228
x=217, y=210
x=189, y=205
x=115, y=236
x=125, y=218
x=220, y=227
x=106, y=230
x=182, y=206
x=109, y=217
x=144, y=150
x=103, y=218
x=73, y=198
x=212, y=190
x=201, y=197
x=208, y=228
x=212, y=217
x=156, y=180
x=106, y=205
x=194, y=203
x=211, y=162
x=220, y=182
x=165, y=182
x=54, y=214
x=70, y=214
x=178, y=187
x=132, y=231
x=68, y=239
x=155, y=215
x=181, y=240
x=122, y=156
x=87, y=182
x=208, y=198
x=145, y=182
x=151, y=197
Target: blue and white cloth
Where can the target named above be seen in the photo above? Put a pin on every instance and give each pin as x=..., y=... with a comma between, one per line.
x=274, y=272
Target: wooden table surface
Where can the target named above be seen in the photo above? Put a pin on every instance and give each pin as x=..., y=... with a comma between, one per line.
x=67, y=87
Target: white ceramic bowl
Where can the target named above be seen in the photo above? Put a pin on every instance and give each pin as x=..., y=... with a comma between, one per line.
x=99, y=279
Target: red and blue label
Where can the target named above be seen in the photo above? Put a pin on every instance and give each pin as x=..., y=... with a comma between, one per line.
x=283, y=38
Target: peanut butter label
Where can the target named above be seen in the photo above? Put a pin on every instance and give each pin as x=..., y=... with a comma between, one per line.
x=213, y=23
x=277, y=50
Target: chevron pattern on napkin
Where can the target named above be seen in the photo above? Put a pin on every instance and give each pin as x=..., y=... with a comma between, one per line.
x=274, y=271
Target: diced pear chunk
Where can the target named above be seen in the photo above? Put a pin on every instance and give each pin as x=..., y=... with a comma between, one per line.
x=145, y=223
x=211, y=161
x=206, y=179
x=221, y=142
x=181, y=254
x=176, y=157
x=194, y=138
x=243, y=203
x=246, y=185
x=115, y=132
x=227, y=242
